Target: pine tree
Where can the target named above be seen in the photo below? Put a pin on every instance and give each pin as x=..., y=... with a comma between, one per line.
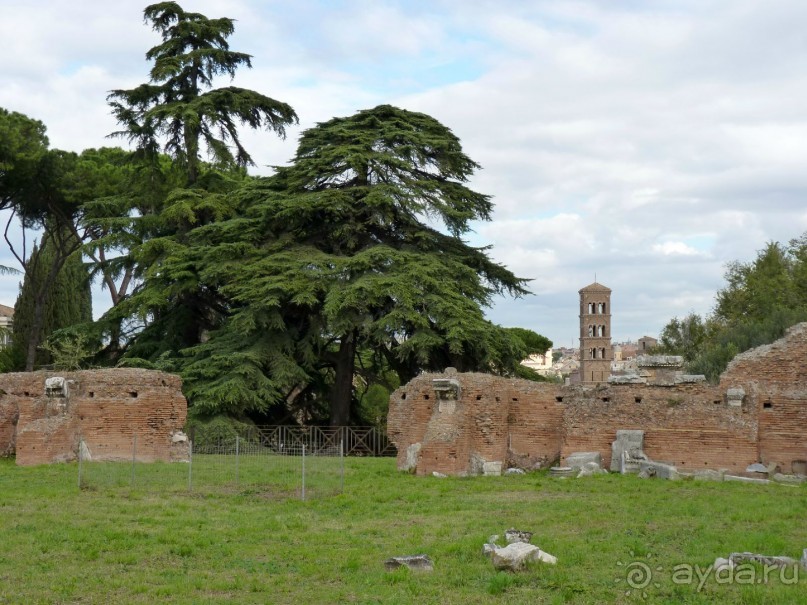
x=180, y=112
x=334, y=255
x=179, y=104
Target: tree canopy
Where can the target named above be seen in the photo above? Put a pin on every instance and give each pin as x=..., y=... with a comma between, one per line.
x=339, y=253
x=319, y=288
x=761, y=299
x=178, y=108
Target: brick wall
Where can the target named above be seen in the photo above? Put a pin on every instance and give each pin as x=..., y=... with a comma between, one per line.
x=774, y=378
x=105, y=408
x=689, y=425
x=494, y=420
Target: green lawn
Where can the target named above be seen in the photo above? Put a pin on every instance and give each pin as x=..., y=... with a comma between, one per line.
x=246, y=544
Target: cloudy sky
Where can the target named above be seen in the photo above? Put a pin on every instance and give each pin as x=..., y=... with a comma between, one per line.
x=647, y=142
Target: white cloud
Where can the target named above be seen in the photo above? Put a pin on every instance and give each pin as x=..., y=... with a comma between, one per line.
x=650, y=143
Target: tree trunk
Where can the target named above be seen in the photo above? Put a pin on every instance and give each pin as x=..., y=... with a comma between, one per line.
x=342, y=393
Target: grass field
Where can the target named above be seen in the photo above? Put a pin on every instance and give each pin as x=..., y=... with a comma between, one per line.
x=123, y=545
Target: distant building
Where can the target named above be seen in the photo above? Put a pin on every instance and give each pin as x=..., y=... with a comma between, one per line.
x=646, y=344
x=6, y=320
x=540, y=363
x=595, y=334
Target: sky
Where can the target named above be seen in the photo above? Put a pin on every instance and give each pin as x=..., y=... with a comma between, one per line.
x=644, y=143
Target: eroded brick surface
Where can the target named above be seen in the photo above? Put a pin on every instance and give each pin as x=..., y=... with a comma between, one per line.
x=109, y=409
x=689, y=425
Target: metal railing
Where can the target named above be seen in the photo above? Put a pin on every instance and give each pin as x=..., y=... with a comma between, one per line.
x=356, y=441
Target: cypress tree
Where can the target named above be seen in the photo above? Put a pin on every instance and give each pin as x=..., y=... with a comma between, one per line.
x=67, y=303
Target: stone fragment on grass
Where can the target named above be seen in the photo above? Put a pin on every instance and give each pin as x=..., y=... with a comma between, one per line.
x=708, y=474
x=721, y=564
x=515, y=556
x=414, y=562
x=803, y=561
x=514, y=471
x=790, y=479
x=757, y=467
x=771, y=560
x=590, y=469
x=745, y=479
x=659, y=469
x=439, y=475
x=516, y=535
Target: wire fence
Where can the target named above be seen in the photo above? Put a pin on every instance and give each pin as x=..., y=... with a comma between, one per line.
x=289, y=469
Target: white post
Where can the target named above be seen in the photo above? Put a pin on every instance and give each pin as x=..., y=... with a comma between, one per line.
x=341, y=466
x=236, y=459
x=80, y=457
x=303, y=493
x=190, y=466
x=134, y=456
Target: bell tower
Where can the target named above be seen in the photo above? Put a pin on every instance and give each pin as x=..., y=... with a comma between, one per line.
x=595, y=334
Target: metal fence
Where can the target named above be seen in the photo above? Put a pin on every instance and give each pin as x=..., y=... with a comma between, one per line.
x=290, y=469
x=355, y=441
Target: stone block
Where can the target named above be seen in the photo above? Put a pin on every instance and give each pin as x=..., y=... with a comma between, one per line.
x=576, y=460
x=492, y=468
x=626, y=441
x=414, y=562
x=660, y=469
x=735, y=396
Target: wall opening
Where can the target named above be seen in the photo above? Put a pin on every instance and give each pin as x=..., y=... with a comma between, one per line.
x=767, y=405
x=132, y=394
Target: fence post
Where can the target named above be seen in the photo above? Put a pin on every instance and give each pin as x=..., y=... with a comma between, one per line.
x=134, y=456
x=303, y=491
x=236, y=458
x=80, y=457
x=342, y=466
x=190, y=466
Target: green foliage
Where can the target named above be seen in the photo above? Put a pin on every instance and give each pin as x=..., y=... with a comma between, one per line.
x=70, y=349
x=213, y=431
x=332, y=257
x=23, y=144
x=179, y=104
x=178, y=110
x=760, y=301
x=66, y=303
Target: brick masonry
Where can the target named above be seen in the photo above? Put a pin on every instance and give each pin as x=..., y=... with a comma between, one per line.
x=109, y=409
x=532, y=425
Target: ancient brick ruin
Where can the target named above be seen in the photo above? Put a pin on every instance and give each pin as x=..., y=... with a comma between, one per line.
x=45, y=415
x=478, y=423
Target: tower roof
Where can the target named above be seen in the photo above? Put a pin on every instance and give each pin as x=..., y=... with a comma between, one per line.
x=595, y=287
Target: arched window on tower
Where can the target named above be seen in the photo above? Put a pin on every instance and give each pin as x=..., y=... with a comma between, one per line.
x=591, y=330
x=602, y=353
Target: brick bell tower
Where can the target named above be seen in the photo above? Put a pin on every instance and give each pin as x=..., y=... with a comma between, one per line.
x=595, y=334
